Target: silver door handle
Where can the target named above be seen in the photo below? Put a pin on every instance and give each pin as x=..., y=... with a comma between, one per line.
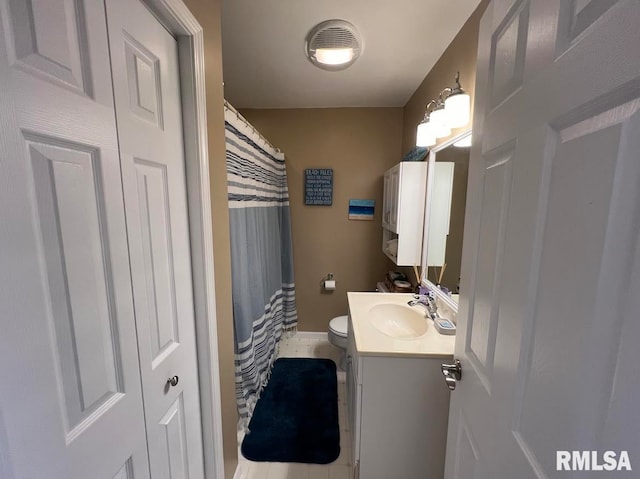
x=452, y=373
x=173, y=381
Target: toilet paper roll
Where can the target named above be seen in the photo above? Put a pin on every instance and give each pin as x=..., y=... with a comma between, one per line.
x=330, y=285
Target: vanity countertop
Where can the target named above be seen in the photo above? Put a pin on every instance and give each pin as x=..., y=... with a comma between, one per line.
x=372, y=342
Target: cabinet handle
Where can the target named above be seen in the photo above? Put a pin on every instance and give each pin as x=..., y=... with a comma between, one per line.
x=349, y=360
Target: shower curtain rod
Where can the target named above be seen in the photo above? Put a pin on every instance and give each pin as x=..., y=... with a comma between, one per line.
x=229, y=106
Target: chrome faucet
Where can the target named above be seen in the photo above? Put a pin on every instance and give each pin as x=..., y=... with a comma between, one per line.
x=428, y=303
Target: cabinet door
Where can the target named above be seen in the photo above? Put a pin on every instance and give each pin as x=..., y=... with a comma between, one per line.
x=386, y=207
x=394, y=186
x=353, y=394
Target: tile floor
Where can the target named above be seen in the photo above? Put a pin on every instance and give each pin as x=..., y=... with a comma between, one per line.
x=301, y=346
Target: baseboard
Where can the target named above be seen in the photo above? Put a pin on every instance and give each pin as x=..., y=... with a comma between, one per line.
x=310, y=335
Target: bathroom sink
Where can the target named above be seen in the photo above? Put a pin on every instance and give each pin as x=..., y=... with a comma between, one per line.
x=398, y=321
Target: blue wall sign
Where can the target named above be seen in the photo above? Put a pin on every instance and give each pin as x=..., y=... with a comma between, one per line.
x=318, y=186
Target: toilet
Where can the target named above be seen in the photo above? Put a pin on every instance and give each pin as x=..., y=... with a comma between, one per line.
x=337, y=333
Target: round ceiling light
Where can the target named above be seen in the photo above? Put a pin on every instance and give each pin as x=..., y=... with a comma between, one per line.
x=333, y=45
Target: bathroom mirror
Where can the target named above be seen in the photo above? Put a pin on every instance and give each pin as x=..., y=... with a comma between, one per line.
x=444, y=213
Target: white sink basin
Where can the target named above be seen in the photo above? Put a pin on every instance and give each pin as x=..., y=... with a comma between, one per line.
x=398, y=321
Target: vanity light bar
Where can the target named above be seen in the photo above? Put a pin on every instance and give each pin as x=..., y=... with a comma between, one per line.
x=452, y=109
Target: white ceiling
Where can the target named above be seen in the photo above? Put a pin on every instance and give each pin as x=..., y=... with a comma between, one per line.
x=265, y=64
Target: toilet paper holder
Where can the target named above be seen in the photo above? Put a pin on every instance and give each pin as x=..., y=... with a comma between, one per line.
x=328, y=283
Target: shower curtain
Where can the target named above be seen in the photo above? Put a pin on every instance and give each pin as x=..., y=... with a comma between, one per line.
x=263, y=290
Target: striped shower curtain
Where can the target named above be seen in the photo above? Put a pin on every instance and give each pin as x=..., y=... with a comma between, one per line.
x=261, y=256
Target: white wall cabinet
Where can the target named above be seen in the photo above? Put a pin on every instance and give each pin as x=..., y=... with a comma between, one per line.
x=403, y=212
x=398, y=409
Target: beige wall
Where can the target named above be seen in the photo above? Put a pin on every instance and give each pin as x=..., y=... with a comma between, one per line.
x=460, y=56
x=359, y=144
x=207, y=12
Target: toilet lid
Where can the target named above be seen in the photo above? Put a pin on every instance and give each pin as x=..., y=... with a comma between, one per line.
x=339, y=325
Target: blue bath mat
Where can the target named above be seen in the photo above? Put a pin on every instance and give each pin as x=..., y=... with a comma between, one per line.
x=296, y=417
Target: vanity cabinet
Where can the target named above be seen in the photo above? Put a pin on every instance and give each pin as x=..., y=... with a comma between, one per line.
x=398, y=408
x=403, y=212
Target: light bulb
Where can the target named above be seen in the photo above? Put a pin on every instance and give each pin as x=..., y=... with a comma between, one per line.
x=464, y=142
x=457, y=107
x=424, y=134
x=334, y=56
x=439, y=122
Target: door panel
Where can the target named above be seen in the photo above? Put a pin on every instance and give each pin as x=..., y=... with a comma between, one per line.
x=174, y=442
x=508, y=45
x=576, y=16
x=144, y=59
x=155, y=226
x=72, y=388
x=481, y=334
x=6, y=470
x=69, y=210
x=47, y=37
x=467, y=455
x=125, y=472
x=572, y=250
x=549, y=269
x=143, y=77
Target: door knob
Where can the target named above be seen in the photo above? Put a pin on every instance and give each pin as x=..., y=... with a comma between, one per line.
x=452, y=373
x=173, y=381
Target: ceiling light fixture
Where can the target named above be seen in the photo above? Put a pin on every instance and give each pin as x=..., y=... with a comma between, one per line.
x=334, y=56
x=333, y=45
x=450, y=110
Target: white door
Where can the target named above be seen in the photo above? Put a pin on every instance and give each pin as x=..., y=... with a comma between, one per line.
x=70, y=393
x=548, y=320
x=144, y=59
